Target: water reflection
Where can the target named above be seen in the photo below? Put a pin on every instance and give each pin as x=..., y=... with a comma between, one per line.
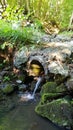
x=23, y=117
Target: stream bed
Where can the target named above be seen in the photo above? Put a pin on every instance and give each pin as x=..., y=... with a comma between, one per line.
x=21, y=116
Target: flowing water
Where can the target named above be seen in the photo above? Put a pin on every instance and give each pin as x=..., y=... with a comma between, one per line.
x=18, y=113
x=23, y=117
x=28, y=96
x=37, y=85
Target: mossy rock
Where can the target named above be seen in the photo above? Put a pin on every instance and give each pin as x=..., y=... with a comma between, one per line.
x=59, y=111
x=51, y=87
x=8, y=88
x=60, y=78
x=48, y=97
x=54, y=105
x=48, y=87
x=61, y=88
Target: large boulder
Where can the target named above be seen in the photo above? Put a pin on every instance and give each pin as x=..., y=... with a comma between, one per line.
x=56, y=104
x=51, y=87
x=53, y=56
x=59, y=111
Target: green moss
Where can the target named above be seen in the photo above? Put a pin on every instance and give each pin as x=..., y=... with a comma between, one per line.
x=8, y=89
x=48, y=97
x=60, y=79
x=49, y=87
x=53, y=106
x=58, y=111
x=61, y=88
x=51, y=91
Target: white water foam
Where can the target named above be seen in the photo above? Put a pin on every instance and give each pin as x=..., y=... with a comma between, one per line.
x=28, y=96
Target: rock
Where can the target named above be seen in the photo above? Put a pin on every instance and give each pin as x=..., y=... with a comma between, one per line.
x=69, y=84
x=52, y=56
x=58, y=78
x=7, y=88
x=22, y=87
x=61, y=38
x=46, y=38
x=51, y=91
x=58, y=68
x=52, y=87
x=71, y=70
x=59, y=111
x=4, y=72
x=55, y=38
x=19, y=81
x=55, y=104
x=21, y=57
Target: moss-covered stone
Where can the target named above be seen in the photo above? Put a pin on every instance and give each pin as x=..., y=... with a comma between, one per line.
x=51, y=91
x=7, y=88
x=59, y=111
x=55, y=105
x=48, y=97
x=51, y=87
x=60, y=78
x=61, y=88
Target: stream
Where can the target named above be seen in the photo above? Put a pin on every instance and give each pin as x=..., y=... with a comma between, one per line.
x=22, y=116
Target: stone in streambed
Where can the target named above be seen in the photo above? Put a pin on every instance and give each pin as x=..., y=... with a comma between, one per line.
x=8, y=88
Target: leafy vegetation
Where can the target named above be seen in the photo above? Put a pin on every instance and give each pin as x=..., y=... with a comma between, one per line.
x=23, y=21
x=6, y=78
x=14, y=34
x=57, y=12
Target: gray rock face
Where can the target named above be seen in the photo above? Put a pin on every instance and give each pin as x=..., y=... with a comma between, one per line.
x=61, y=38
x=53, y=56
x=69, y=84
x=20, y=57
x=58, y=68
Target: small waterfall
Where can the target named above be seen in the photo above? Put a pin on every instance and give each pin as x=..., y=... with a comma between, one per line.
x=37, y=85
x=29, y=96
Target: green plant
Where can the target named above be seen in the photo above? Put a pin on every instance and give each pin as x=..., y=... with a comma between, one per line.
x=13, y=13
x=6, y=78
x=19, y=36
x=54, y=11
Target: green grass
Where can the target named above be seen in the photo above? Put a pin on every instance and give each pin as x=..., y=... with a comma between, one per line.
x=18, y=36
x=66, y=33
